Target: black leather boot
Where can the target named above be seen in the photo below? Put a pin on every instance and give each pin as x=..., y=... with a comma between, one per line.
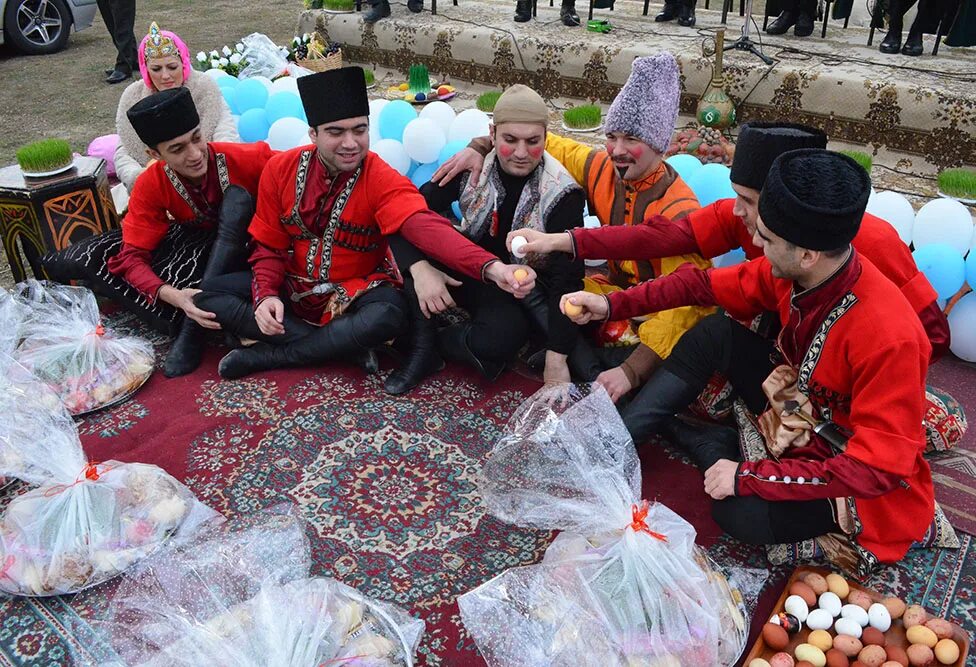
x=669, y=13
x=892, y=41
x=664, y=395
x=377, y=11
x=704, y=443
x=351, y=336
x=229, y=253
x=567, y=13
x=422, y=360
x=523, y=11
x=913, y=45
x=783, y=22
x=804, y=25
x=453, y=344
x=686, y=14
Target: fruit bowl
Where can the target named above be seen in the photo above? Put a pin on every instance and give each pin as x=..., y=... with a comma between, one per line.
x=707, y=144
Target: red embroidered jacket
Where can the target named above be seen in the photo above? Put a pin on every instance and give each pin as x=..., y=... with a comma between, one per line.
x=862, y=357
x=160, y=198
x=323, y=239
x=715, y=230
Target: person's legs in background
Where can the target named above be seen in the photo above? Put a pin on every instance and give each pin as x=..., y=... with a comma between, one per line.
x=119, y=17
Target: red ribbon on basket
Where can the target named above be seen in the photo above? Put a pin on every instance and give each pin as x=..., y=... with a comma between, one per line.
x=89, y=473
x=7, y=564
x=99, y=330
x=638, y=514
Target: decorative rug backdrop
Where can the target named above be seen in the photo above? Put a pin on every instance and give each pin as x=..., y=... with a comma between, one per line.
x=387, y=488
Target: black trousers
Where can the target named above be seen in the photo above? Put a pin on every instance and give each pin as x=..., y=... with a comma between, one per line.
x=120, y=17
x=720, y=344
x=229, y=297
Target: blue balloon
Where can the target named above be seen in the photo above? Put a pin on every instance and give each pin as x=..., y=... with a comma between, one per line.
x=253, y=125
x=456, y=208
x=394, y=118
x=230, y=96
x=251, y=94
x=686, y=165
x=423, y=173
x=450, y=148
x=971, y=268
x=943, y=266
x=284, y=105
x=711, y=183
x=731, y=258
x=228, y=81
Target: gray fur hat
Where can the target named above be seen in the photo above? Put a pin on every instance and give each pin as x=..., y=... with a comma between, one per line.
x=647, y=106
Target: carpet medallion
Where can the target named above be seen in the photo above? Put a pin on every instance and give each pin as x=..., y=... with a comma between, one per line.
x=387, y=487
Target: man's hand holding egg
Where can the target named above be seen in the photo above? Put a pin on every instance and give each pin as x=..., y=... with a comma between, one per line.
x=582, y=307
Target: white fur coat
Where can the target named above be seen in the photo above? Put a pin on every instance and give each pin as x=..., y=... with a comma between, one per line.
x=216, y=123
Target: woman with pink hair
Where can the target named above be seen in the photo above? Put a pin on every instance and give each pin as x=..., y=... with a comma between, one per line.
x=164, y=62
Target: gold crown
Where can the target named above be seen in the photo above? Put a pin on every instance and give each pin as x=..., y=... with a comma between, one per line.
x=158, y=45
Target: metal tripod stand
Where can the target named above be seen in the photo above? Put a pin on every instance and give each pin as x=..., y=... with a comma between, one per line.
x=745, y=43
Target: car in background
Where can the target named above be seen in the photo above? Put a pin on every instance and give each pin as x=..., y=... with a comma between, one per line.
x=36, y=27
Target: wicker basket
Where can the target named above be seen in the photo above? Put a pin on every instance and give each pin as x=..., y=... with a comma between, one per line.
x=322, y=63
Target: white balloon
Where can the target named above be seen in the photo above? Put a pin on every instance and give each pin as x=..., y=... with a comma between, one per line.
x=393, y=154
x=375, y=106
x=288, y=133
x=265, y=81
x=469, y=124
x=423, y=140
x=590, y=221
x=216, y=73
x=286, y=84
x=944, y=221
x=962, y=328
x=441, y=113
x=896, y=210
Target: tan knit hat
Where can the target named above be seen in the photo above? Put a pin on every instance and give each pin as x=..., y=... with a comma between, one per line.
x=521, y=104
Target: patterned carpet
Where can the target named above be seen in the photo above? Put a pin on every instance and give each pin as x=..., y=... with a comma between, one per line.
x=387, y=487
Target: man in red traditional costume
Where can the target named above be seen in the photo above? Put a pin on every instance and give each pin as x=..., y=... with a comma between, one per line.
x=852, y=353
x=320, y=227
x=731, y=223
x=187, y=220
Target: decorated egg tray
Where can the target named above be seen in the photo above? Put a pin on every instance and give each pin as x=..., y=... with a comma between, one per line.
x=438, y=92
x=895, y=636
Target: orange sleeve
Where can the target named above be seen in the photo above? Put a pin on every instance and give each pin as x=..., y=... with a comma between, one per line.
x=146, y=222
x=392, y=197
x=271, y=205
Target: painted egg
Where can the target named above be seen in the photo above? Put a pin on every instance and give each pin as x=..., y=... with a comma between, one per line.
x=782, y=660
x=919, y=634
x=758, y=662
x=830, y=603
x=895, y=606
x=837, y=659
x=879, y=617
x=947, y=651
x=775, y=636
x=849, y=646
x=920, y=655
x=820, y=619
x=787, y=621
x=420, y=97
x=855, y=613
x=816, y=582
x=811, y=654
x=795, y=605
x=848, y=626
x=802, y=589
x=404, y=87
x=872, y=656
x=838, y=585
x=860, y=598
x=914, y=615
x=941, y=627
x=821, y=639
x=873, y=637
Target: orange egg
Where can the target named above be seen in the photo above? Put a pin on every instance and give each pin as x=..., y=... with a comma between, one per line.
x=521, y=274
x=572, y=309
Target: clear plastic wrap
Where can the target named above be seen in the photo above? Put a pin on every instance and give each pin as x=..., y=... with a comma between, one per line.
x=242, y=598
x=11, y=318
x=265, y=58
x=65, y=345
x=85, y=522
x=635, y=591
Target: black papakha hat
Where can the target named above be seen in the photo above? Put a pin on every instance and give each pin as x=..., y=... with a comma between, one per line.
x=334, y=95
x=163, y=116
x=761, y=143
x=815, y=198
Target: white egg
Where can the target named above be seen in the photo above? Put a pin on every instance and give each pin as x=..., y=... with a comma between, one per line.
x=517, y=243
x=855, y=613
x=879, y=617
x=820, y=619
x=830, y=603
x=848, y=626
x=795, y=605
